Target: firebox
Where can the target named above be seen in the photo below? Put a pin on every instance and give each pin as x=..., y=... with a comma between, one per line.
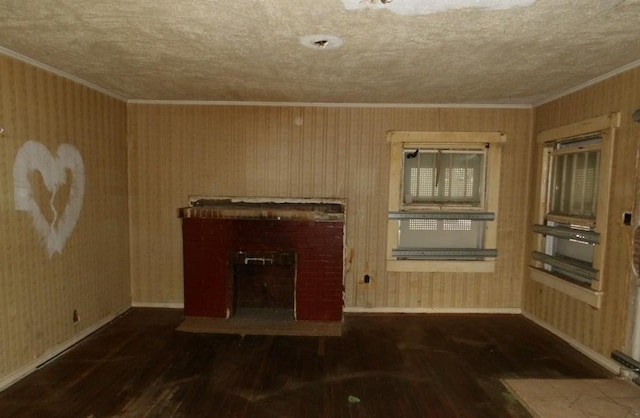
x=258, y=257
x=262, y=284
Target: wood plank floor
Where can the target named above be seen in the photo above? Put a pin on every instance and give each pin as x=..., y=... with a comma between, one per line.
x=382, y=366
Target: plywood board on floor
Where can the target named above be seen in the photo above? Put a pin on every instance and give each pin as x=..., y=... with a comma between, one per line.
x=551, y=398
x=261, y=326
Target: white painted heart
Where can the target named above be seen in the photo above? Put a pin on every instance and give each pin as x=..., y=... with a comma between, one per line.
x=35, y=156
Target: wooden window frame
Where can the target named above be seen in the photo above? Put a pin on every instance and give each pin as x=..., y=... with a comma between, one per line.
x=401, y=140
x=606, y=126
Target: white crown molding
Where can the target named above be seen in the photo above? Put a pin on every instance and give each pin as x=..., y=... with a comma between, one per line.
x=589, y=83
x=319, y=104
x=20, y=57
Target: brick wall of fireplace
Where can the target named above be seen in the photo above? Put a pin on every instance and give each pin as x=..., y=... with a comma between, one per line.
x=216, y=239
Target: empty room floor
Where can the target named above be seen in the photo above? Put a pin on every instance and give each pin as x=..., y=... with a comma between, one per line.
x=382, y=366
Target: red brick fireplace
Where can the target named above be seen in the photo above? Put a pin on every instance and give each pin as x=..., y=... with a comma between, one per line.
x=239, y=254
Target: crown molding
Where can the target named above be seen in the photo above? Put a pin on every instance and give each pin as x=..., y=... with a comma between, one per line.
x=23, y=58
x=56, y=71
x=320, y=104
x=589, y=83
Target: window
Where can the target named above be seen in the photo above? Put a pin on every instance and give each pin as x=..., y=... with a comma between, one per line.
x=443, y=194
x=571, y=228
x=570, y=235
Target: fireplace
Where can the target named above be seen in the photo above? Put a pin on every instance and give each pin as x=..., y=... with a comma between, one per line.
x=262, y=284
x=248, y=257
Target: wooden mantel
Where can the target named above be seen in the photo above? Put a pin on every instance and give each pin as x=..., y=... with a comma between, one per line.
x=228, y=209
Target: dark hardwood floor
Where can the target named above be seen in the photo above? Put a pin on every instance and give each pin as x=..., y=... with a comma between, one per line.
x=382, y=366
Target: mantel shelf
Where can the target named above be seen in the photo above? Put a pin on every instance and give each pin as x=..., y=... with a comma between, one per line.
x=212, y=209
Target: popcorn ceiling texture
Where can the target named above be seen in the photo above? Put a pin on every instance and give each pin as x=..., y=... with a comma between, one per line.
x=231, y=50
x=421, y=7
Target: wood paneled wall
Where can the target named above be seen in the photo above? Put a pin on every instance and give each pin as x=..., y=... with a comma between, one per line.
x=38, y=294
x=315, y=152
x=601, y=330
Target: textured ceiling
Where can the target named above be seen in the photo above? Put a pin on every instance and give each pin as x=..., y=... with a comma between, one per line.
x=250, y=50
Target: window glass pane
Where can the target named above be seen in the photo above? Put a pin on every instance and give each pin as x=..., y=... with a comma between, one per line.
x=432, y=233
x=456, y=225
x=558, y=175
x=575, y=251
x=592, y=170
x=423, y=224
x=575, y=183
x=444, y=177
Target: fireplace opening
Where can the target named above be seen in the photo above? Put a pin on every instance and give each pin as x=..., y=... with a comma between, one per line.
x=262, y=285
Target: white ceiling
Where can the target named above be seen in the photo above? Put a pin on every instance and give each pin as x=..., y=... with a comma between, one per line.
x=401, y=52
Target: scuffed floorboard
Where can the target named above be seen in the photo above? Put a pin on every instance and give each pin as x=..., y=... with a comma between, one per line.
x=381, y=366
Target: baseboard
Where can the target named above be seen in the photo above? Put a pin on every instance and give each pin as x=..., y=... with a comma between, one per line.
x=170, y=305
x=516, y=311
x=509, y=311
x=56, y=350
x=605, y=362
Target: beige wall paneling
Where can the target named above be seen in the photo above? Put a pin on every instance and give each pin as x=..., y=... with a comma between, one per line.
x=330, y=152
x=38, y=293
x=601, y=330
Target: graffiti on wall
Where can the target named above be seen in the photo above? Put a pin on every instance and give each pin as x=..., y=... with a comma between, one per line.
x=51, y=189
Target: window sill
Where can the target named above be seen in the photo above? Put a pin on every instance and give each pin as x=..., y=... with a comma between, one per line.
x=444, y=266
x=588, y=296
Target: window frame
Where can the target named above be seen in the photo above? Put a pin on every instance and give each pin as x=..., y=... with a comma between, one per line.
x=547, y=141
x=404, y=140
